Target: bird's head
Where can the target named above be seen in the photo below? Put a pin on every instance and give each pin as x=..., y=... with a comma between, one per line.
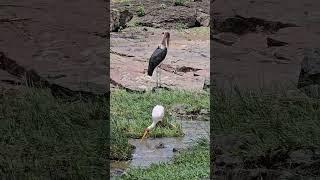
x=166, y=36
x=146, y=131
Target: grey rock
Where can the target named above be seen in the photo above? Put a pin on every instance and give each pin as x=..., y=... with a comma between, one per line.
x=309, y=78
x=206, y=84
x=310, y=68
x=203, y=19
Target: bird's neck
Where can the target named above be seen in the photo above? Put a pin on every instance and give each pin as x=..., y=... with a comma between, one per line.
x=152, y=126
x=163, y=44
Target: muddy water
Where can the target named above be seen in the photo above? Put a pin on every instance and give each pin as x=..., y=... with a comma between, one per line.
x=156, y=150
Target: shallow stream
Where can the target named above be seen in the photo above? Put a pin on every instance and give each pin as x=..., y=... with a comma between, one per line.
x=156, y=150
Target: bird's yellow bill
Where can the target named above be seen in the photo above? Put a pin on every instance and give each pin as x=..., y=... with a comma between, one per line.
x=144, y=135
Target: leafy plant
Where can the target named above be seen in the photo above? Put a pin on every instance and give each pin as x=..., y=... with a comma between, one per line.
x=180, y=26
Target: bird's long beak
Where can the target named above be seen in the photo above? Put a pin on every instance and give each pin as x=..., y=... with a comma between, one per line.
x=144, y=135
x=168, y=39
x=175, y=127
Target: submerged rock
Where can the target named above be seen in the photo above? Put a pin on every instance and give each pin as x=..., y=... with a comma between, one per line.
x=160, y=146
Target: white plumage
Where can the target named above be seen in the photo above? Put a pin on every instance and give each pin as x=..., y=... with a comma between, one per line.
x=157, y=115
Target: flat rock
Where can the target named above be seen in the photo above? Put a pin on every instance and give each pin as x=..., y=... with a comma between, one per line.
x=61, y=43
x=246, y=50
x=185, y=67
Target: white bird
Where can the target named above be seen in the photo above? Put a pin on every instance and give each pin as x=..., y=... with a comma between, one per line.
x=157, y=115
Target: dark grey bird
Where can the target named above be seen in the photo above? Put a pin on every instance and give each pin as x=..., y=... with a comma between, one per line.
x=158, y=56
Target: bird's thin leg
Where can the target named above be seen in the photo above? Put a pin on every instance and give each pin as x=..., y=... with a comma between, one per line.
x=157, y=77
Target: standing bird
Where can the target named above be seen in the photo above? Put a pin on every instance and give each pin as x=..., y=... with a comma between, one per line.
x=158, y=56
x=157, y=115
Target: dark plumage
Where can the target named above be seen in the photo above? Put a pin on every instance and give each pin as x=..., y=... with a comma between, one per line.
x=156, y=58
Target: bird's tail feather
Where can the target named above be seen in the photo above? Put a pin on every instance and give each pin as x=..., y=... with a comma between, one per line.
x=150, y=71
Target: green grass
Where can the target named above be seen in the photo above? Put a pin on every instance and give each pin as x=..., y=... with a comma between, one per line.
x=42, y=137
x=119, y=145
x=272, y=119
x=180, y=26
x=126, y=2
x=189, y=164
x=180, y=2
x=134, y=22
x=131, y=114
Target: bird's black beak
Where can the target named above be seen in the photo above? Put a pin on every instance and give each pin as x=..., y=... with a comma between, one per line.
x=168, y=39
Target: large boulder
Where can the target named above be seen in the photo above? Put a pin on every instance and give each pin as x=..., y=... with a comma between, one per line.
x=203, y=19
x=119, y=19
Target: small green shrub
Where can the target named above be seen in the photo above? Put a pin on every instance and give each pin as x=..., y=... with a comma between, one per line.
x=180, y=2
x=140, y=11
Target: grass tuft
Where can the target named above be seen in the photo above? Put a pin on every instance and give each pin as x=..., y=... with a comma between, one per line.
x=140, y=11
x=42, y=137
x=180, y=2
x=272, y=119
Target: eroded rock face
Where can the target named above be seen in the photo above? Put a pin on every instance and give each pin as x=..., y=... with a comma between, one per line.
x=241, y=25
x=170, y=16
x=119, y=19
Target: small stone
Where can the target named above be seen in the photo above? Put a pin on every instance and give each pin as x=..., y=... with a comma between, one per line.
x=176, y=149
x=160, y=146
